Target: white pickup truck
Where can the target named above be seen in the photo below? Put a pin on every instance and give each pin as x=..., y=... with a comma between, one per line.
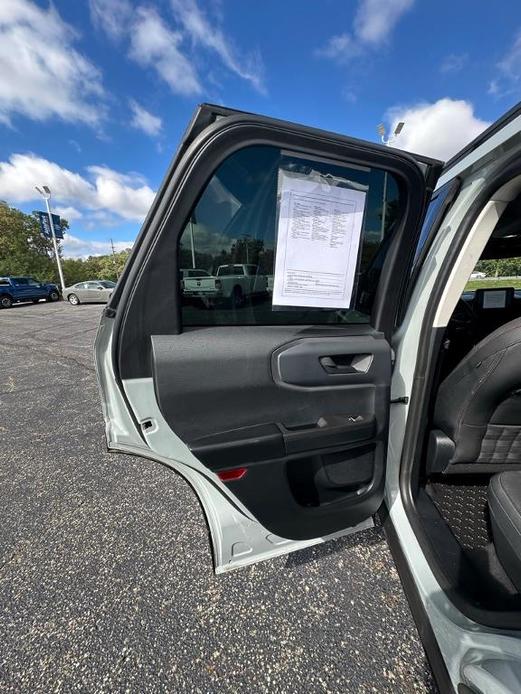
x=231, y=283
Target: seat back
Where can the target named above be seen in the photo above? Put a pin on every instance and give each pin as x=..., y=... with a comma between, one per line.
x=478, y=406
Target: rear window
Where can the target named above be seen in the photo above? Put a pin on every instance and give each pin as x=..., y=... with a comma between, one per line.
x=229, y=270
x=236, y=223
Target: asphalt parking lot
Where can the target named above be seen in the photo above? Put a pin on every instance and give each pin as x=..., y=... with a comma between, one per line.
x=106, y=580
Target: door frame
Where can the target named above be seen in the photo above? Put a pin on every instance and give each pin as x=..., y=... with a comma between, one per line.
x=461, y=639
x=431, y=338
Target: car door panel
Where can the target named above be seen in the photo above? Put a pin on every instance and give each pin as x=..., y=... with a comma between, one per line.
x=86, y=293
x=280, y=427
x=318, y=440
x=92, y=292
x=237, y=538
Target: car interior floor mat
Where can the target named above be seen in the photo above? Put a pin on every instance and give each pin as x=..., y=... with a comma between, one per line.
x=464, y=507
x=455, y=517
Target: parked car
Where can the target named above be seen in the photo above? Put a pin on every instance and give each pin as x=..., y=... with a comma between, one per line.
x=478, y=275
x=15, y=290
x=89, y=292
x=296, y=424
x=232, y=283
x=191, y=273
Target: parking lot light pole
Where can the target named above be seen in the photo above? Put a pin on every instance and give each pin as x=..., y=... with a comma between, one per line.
x=46, y=195
x=388, y=142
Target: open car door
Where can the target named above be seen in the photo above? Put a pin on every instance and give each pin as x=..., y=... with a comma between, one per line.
x=271, y=398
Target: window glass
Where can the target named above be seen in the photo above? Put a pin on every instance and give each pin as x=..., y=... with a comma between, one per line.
x=108, y=284
x=435, y=213
x=229, y=270
x=33, y=282
x=20, y=281
x=232, y=232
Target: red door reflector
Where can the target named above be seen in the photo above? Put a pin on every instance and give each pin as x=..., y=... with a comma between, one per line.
x=235, y=473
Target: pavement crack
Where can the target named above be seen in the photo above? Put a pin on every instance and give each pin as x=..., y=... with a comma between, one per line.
x=39, y=350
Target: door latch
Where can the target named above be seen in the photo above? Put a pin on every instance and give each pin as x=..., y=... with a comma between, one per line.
x=403, y=400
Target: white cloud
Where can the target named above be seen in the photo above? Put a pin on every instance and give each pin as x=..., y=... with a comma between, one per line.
x=508, y=78
x=69, y=213
x=350, y=95
x=373, y=24
x=41, y=74
x=342, y=47
x=454, y=62
x=436, y=130
x=153, y=44
x=207, y=34
x=125, y=195
x=376, y=19
x=144, y=120
x=74, y=247
x=110, y=15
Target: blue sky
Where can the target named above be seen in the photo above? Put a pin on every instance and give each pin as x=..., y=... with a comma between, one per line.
x=94, y=96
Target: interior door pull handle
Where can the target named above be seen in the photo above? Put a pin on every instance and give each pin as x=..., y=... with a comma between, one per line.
x=331, y=366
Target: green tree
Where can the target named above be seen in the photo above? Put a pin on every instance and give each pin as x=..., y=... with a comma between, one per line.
x=502, y=267
x=24, y=250
x=101, y=267
x=111, y=266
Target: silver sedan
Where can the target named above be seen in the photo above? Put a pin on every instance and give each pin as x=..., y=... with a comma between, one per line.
x=92, y=291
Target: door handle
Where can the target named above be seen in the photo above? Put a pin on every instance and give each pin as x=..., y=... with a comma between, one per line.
x=346, y=363
x=331, y=366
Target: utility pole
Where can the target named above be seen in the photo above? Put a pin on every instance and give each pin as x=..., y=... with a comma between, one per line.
x=388, y=142
x=192, y=244
x=114, y=259
x=46, y=195
x=247, y=238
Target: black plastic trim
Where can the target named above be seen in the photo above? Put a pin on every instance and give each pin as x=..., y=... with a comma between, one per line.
x=267, y=442
x=454, y=186
x=298, y=364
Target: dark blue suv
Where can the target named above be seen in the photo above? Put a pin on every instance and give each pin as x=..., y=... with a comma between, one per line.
x=16, y=289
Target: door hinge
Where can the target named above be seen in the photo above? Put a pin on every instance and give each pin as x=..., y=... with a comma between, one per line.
x=404, y=399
